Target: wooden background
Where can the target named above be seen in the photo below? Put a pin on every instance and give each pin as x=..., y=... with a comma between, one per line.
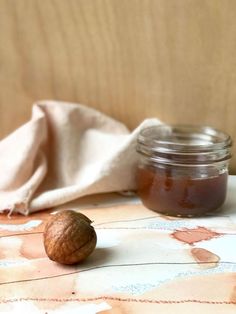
x=172, y=59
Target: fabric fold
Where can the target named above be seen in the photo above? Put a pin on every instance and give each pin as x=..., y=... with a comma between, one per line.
x=64, y=152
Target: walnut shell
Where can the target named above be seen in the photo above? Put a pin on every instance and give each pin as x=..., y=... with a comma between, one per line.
x=69, y=237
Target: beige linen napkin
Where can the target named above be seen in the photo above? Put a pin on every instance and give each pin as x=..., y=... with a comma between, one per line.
x=64, y=152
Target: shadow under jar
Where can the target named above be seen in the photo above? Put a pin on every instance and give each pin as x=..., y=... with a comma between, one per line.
x=183, y=170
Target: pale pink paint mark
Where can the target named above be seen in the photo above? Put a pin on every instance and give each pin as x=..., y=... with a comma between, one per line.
x=191, y=236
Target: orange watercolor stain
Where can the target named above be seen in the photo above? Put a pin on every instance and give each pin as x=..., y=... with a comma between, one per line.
x=191, y=236
x=32, y=246
x=204, y=256
x=233, y=295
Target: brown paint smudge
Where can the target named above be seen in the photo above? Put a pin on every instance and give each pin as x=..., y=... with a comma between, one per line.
x=202, y=256
x=191, y=236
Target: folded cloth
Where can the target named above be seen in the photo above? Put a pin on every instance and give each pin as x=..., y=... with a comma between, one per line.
x=64, y=152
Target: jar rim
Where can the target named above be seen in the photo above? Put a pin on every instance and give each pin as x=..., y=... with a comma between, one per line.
x=161, y=141
x=184, y=138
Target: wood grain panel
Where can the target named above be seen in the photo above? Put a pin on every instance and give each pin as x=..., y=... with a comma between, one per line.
x=172, y=59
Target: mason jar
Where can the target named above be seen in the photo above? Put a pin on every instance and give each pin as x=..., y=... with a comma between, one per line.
x=183, y=169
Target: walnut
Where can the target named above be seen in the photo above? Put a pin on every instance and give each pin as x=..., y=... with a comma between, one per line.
x=69, y=237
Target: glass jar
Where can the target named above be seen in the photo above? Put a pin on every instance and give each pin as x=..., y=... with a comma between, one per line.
x=183, y=170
